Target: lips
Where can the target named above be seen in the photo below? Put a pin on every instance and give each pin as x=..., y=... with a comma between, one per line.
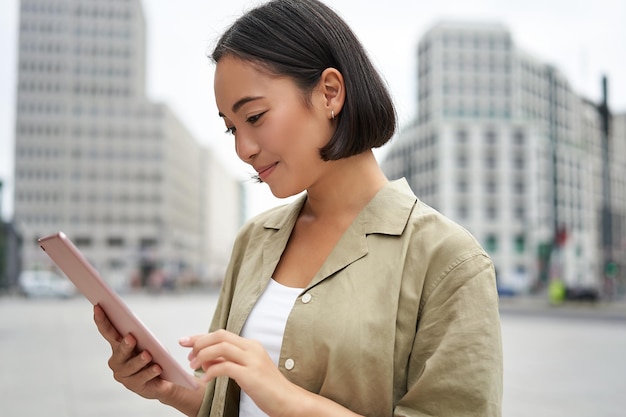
x=265, y=171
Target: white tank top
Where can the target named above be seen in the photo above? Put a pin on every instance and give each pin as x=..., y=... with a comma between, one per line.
x=266, y=323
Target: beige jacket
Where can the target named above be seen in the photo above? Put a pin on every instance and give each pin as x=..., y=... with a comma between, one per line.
x=401, y=320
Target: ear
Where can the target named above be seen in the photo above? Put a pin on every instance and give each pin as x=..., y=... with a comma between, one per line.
x=333, y=88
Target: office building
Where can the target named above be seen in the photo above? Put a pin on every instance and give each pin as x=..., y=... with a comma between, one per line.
x=95, y=158
x=503, y=145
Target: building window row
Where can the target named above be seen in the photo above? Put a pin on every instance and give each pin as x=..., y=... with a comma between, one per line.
x=110, y=32
x=38, y=152
x=101, y=90
x=98, y=51
x=38, y=175
x=478, y=41
x=115, y=176
x=102, y=12
x=103, y=71
x=95, y=132
x=490, y=136
x=41, y=86
x=41, y=130
x=491, y=211
x=492, y=242
x=107, y=219
x=44, y=7
x=37, y=66
x=464, y=111
x=40, y=107
x=47, y=27
x=491, y=186
x=38, y=197
x=124, y=198
x=41, y=47
x=475, y=90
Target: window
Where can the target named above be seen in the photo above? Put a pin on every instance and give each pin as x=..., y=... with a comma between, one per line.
x=115, y=242
x=147, y=242
x=461, y=136
x=520, y=244
x=461, y=161
x=491, y=243
x=82, y=241
x=463, y=212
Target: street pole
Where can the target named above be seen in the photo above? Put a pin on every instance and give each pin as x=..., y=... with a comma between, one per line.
x=607, y=232
x=555, y=267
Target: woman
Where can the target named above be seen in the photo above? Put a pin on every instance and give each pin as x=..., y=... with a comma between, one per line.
x=356, y=299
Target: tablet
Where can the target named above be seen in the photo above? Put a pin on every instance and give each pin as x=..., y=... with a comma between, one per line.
x=85, y=277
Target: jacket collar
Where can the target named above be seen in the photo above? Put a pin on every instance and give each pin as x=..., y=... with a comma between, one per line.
x=387, y=213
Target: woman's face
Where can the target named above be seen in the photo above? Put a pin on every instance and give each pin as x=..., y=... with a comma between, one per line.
x=275, y=131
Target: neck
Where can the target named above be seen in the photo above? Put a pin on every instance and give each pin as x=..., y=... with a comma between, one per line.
x=347, y=186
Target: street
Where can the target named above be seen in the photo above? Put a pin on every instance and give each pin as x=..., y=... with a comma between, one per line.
x=54, y=363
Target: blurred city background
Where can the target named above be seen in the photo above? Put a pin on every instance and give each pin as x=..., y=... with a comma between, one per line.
x=525, y=149
x=512, y=123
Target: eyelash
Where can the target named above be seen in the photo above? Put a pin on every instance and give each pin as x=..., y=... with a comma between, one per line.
x=252, y=120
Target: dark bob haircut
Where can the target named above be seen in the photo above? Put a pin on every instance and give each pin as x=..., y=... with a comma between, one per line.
x=302, y=38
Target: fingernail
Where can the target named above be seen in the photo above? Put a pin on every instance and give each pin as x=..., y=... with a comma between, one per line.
x=194, y=363
x=184, y=340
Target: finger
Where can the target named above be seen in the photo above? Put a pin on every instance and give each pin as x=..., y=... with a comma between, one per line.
x=188, y=341
x=202, y=341
x=221, y=351
x=221, y=368
x=140, y=378
x=123, y=351
x=130, y=367
x=104, y=326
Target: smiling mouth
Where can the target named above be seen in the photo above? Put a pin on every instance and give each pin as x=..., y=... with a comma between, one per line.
x=266, y=171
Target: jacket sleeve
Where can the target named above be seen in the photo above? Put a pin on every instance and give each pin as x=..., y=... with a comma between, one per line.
x=220, y=319
x=455, y=369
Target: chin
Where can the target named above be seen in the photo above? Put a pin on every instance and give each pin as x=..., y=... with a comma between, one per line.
x=279, y=192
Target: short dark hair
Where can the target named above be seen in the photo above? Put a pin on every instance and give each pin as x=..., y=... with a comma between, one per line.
x=302, y=38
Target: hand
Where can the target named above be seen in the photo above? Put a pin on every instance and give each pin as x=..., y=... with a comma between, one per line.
x=132, y=369
x=223, y=353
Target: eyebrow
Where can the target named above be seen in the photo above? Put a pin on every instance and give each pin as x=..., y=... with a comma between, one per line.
x=240, y=104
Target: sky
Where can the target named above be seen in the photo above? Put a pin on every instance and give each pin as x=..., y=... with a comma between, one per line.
x=584, y=39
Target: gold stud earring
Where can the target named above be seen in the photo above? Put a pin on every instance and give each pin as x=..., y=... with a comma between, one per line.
x=332, y=114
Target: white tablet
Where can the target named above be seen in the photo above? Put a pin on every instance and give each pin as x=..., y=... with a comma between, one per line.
x=85, y=277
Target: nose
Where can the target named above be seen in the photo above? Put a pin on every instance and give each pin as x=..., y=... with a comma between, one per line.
x=246, y=147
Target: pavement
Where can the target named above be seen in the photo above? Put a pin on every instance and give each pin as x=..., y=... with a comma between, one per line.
x=560, y=361
x=539, y=305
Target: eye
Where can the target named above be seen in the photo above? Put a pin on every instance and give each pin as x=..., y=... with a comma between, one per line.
x=230, y=130
x=255, y=118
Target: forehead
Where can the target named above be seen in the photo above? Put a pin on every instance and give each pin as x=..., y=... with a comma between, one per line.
x=236, y=78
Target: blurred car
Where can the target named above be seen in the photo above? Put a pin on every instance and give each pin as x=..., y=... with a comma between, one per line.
x=39, y=283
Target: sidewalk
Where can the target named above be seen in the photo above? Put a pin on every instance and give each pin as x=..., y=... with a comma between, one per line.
x=539, y=305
